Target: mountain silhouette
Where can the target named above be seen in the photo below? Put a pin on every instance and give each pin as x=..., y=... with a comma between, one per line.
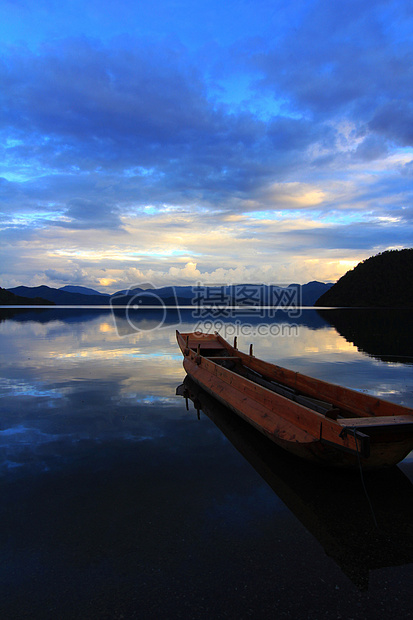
x=381, y=281
x=8, y=298
x=240, y=294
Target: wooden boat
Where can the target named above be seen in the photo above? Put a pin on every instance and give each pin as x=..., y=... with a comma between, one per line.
x=310, y=418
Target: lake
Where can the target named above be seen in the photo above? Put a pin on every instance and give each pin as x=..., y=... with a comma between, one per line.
x=122, y=500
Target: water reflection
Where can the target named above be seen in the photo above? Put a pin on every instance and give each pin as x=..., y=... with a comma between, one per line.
x=68, y=345
x=383, y=333
x=386, y=334
x=116, y=502
x=360, y=533
x=126, y=321
x=45, y=315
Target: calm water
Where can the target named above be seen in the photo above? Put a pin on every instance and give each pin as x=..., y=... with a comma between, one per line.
x=118, y=502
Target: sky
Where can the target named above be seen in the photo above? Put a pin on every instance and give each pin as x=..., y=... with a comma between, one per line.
x=201, y=141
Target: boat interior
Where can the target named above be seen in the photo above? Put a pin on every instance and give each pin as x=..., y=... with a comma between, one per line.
x=217, y=353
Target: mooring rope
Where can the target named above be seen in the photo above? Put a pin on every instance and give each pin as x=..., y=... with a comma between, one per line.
x=362, y=477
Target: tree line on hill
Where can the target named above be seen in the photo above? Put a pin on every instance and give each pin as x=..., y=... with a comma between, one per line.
x=381, y=281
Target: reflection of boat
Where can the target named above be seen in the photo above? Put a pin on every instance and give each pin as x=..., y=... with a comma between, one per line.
x=332, y=505
x=313, y=419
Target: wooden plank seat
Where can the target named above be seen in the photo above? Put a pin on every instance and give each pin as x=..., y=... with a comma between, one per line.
x=384, y=420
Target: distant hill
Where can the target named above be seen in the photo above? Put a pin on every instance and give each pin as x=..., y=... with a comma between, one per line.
x=82, y=290
x=383, y=281
x=8, y=298
x=60, y=298
x=237, y=294
x=311, y=291
x=240, y=294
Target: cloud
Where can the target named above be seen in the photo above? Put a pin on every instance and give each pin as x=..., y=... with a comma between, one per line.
x=371, y=148
x=140, y=109
x=111, y=101
x=348, y=59
x=74, y=276
x=85, y=214
x=394, y=120
x=242, y=147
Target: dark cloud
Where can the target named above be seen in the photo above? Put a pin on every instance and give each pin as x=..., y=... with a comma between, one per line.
x=84, y=214
x=346, y=58
x=394, y=120
x=372, y=147
x=80, y=106
x=358, y=236
x=114, y=100
x=72, y=276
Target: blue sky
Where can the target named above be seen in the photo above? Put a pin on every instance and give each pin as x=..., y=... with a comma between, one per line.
x=177, y=142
